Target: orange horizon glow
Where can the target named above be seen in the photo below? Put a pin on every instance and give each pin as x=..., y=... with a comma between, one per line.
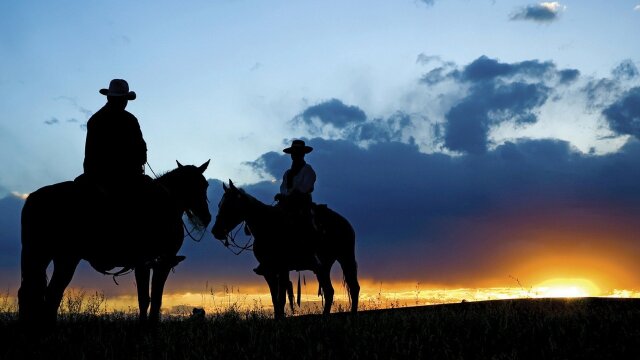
x=567, y=253
x=374, y=295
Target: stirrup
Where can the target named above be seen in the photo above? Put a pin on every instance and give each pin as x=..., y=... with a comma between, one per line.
x=176, y=260
x=166, y=260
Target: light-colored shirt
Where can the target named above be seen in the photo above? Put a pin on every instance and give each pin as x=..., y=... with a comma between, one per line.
x=303, y=181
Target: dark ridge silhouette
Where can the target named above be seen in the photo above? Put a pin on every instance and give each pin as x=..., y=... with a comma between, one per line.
x=549, y=329
x=279, y=250
x=68, y=222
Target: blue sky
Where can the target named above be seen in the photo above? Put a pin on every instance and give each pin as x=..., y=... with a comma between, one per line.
x=416, y=93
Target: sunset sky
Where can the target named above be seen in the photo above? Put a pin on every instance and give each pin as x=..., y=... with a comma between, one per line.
x=482, y=144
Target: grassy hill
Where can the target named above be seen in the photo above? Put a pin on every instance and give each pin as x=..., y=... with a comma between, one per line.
x=588, y=328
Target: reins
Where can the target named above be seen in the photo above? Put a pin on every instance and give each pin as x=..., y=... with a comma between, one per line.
x=230, y=240
x=189, y=232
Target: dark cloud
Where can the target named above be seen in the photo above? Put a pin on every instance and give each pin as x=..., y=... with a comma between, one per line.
x=600, y=92
x=332, y=112
x=402, y=201
x=623, y=116
x=494, y=97
x=436, y=76
x=568, y=76
x=389, y=129
x=543, y=12
x=493, y=93
x=626, y=70
x=485, y=68
x=52, y=121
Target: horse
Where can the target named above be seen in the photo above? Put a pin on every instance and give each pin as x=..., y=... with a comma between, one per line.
x=65, y=223
x=278, y=249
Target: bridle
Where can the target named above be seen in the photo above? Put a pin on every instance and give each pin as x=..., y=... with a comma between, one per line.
x=230, y=240
x=203, y=230
x=196, y=224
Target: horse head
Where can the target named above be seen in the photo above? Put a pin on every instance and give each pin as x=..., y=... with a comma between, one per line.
x=191, y=189
x=230, y=211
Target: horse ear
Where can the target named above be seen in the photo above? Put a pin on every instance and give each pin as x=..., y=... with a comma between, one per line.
x=179, y=165
x=203, y=167
x=231, y=185
x=224, y=186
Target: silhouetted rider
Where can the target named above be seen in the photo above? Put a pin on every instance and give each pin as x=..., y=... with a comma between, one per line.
x=295, y=197
x=115, y=151
x=114, y=159
x=298, y=181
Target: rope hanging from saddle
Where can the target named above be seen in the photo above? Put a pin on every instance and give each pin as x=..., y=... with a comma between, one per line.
x=124, y=271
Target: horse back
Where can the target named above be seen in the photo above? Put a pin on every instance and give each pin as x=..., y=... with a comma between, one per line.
x=45, y=203
x=334, y=226
x=44, y=210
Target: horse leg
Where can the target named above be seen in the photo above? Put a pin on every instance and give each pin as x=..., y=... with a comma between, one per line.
x=350, y=271
x=63, y=270
x=160, y=276
x=31, y=295
x=290, y=295
x=278, y=300
x=324, y=279
x=142, y=274
x=283, y=287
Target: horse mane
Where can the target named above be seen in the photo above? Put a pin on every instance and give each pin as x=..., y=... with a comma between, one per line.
x=170, y=175
x=165, y=174
x=252, y=198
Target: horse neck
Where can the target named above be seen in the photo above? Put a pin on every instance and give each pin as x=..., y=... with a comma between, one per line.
x=258, y=216
x=170, y=183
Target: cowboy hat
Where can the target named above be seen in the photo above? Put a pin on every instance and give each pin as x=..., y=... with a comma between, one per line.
x=298, y=146
x=119, y=87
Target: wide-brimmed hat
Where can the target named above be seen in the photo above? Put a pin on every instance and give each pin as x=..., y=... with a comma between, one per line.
x=298, y=146
x=119, y=87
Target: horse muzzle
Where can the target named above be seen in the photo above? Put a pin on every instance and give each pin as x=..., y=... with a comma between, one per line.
x=218, y=232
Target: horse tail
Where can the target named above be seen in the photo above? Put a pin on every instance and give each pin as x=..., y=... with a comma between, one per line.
x=347, y=260
x=350, y=278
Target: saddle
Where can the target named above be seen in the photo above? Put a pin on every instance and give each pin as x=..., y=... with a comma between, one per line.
x=120, y=222
x=312, y=230
x=318, y=212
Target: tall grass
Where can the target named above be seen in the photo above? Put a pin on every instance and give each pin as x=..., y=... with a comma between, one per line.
x=510, y=329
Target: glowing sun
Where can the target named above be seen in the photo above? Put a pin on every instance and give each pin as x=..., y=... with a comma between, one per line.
x=568, y=288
